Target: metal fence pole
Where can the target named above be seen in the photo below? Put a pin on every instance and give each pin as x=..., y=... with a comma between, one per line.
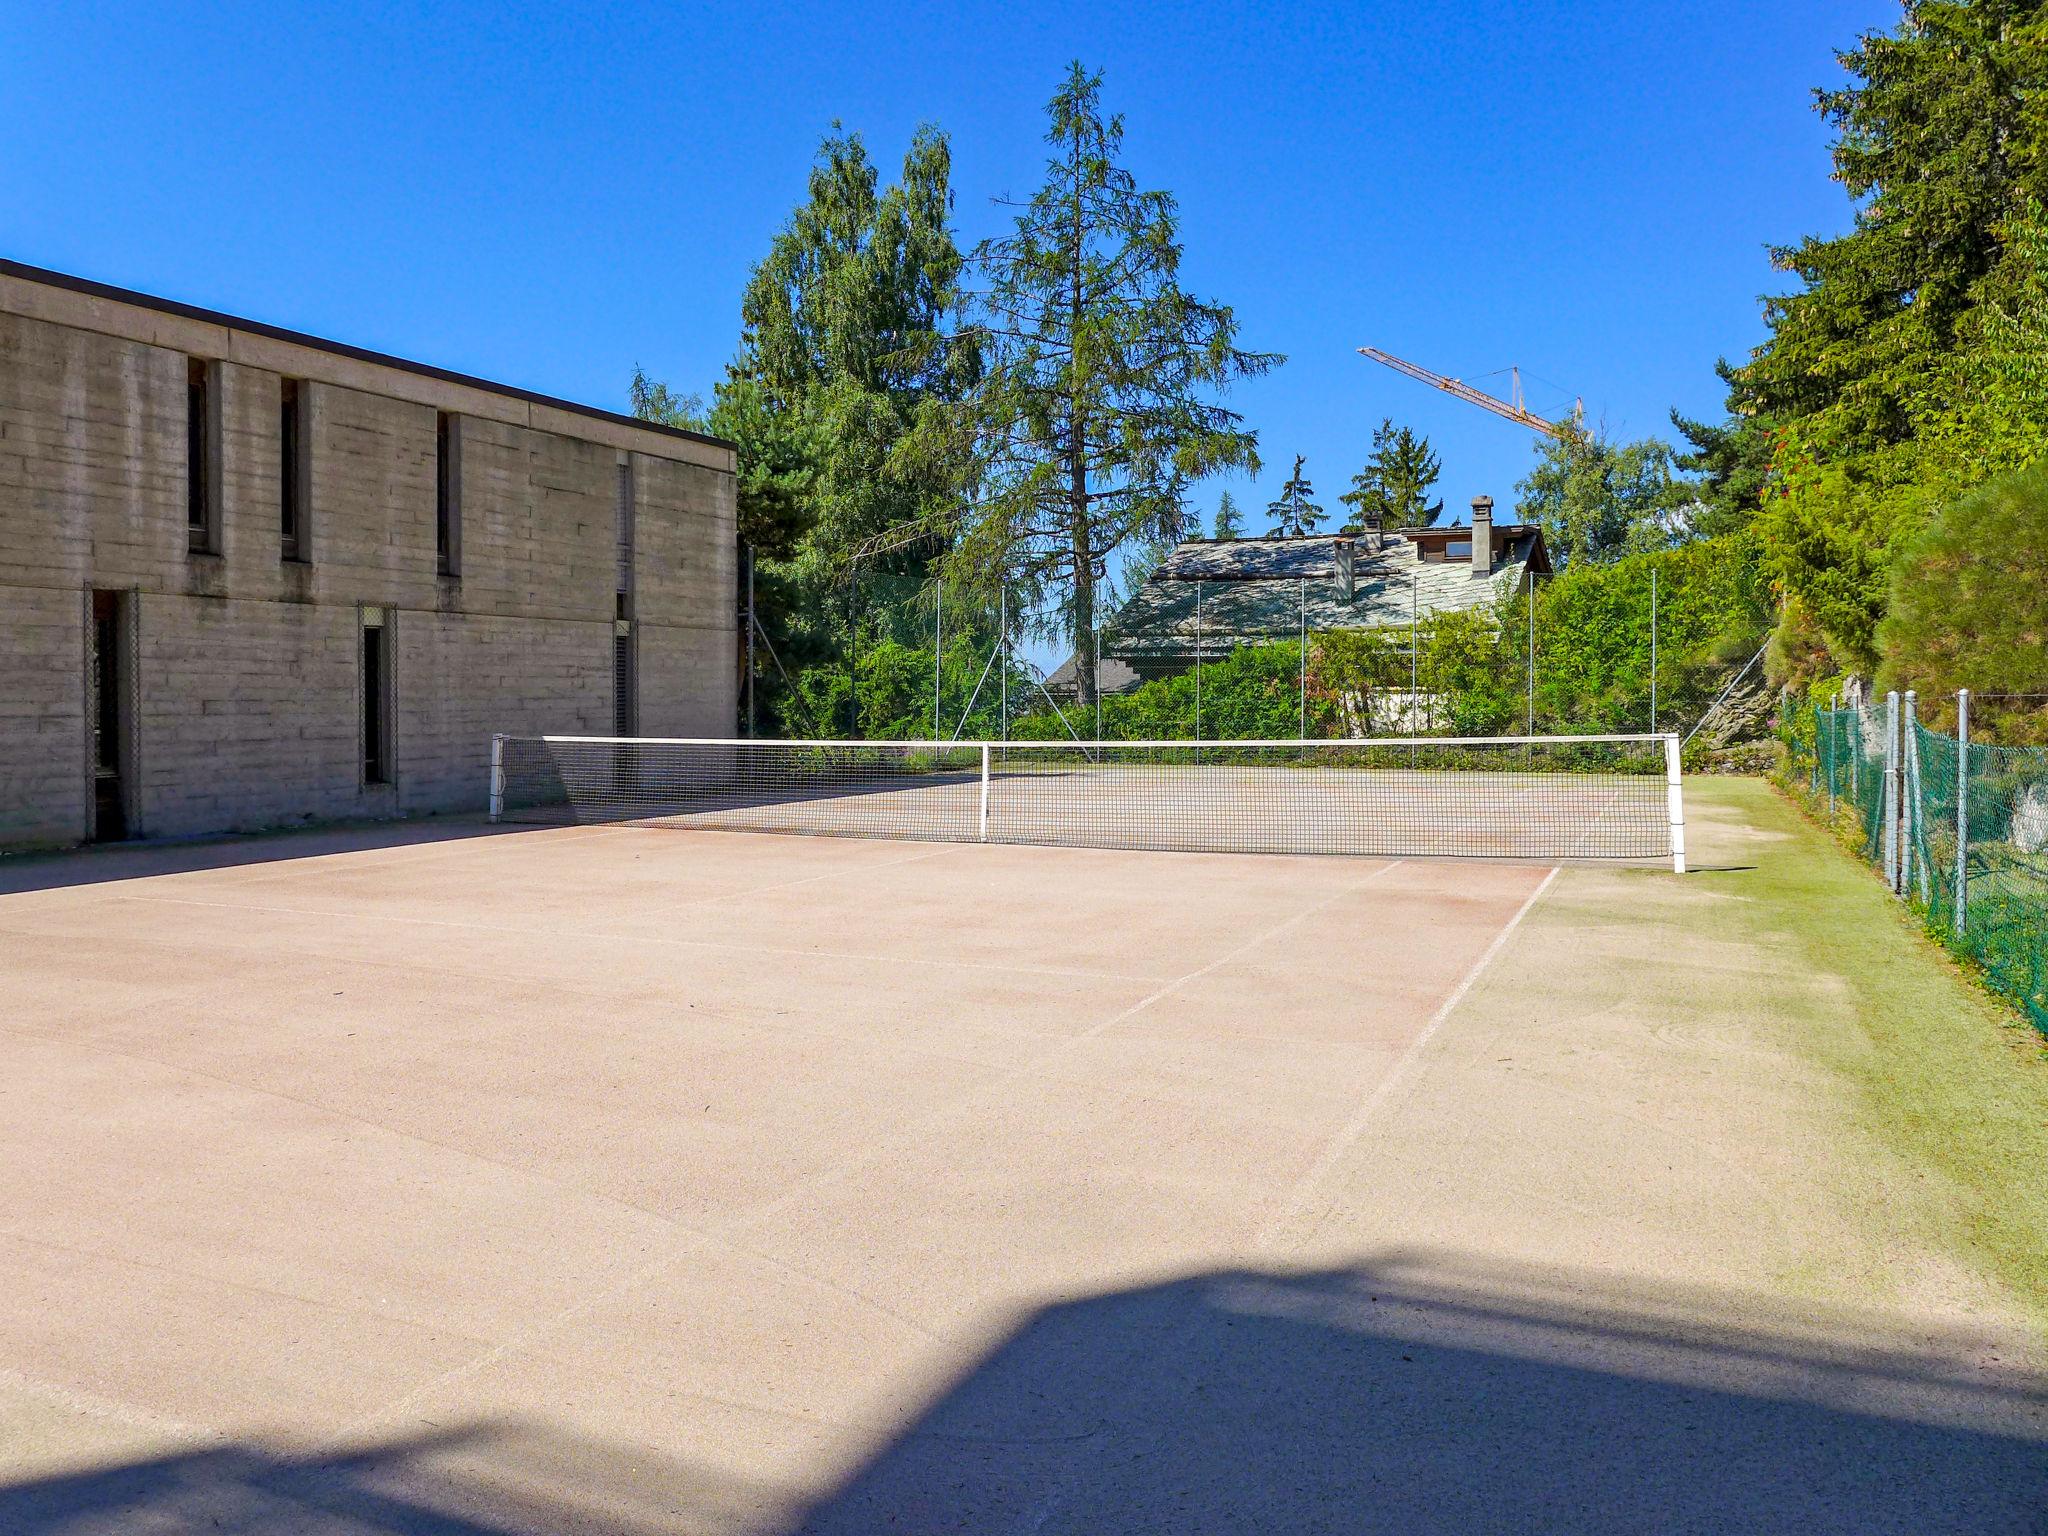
x=751, y=672
x=1962, y=810
x=1653, y=650
x=1301, y=730
x=497, y=777
x=938, y=655
x=1914, y=865
x=1531, y=729
x=1198, y=661
x=1414, y=669
x=1891, y=791
x=1098, y=675
x=1003, y=650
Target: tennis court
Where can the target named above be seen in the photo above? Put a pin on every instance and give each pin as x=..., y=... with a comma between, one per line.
x=608, y=1178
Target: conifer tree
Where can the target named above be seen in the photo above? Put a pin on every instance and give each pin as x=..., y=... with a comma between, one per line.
x=1099, y=403
x=1293, y=513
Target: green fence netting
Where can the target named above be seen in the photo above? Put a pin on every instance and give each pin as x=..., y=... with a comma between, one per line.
x=1972, y=827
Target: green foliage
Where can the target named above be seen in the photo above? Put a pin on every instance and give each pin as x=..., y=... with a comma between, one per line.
x=846, y=349
x=1729, y=466
x=1229, y=520
x=1600, y=500
x=1395, y=483
x=1252, y=693
x=652, y=401
x=1292, y=511
x=1098, y=406
x=1593, y=661
x=1969, y=605
x=1907, y=366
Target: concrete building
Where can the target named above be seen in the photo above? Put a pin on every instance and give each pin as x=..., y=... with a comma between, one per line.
x=250, y=578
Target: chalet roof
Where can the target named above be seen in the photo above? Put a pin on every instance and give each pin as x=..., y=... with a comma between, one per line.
x=1257, y=589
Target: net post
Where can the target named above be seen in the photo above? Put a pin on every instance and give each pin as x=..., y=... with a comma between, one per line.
x=1674, y=795
x=1891, y=792
x=1962, y=809
x=984, y=791
x=497, y=777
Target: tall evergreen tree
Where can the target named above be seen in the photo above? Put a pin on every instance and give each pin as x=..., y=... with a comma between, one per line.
x=846, y=341
x=1099, y=402
x=1395, y=483
x=1293, y=513
x=1229, y=520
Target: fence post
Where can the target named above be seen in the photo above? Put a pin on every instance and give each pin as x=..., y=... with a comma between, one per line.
x=984, y=791
x=497, y=777
x=750, y=641
x=1962, y=810
x=1829, y=770
x=1653, y=648
x=1674, y=795
x=1301, y=730
x=1915, y=856
x=1891, y=792
x=1198, y=662
x=1096, y=608
x=938, y=656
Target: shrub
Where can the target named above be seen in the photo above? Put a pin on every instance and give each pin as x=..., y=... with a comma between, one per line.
x=1969, y=606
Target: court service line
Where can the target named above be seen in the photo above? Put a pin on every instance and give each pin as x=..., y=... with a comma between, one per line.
x=1354, y=1128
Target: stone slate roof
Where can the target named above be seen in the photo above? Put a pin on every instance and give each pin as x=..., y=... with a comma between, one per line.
x=1255, y=588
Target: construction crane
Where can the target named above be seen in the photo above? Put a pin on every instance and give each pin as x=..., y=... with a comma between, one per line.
x=1512, y=409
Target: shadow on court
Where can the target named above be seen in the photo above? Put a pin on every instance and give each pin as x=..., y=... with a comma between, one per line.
x=1405, y=1394
x=58, y=869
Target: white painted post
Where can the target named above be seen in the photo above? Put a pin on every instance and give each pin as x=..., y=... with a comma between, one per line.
x=1915, y=826
x=938, y=655
x=1891, y=792
x=984, y=791
x=1198, y=663
x=1962, y=810
x=497, y=777
x=1674, y=795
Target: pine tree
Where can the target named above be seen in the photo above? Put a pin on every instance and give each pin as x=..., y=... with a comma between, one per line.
x=1292, y=512
x=1229, y=520
x=1394, y=485
x=1099, y=404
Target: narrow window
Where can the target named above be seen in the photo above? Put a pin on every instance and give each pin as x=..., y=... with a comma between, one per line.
x=107, y=683
x=376, y=698
x=625, y=681
x=202, y=528
x=447, y=494
x=623, y=522
x=291, y=492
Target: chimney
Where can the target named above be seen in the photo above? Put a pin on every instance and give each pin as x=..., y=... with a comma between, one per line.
x=1347, y=568
x=1375, y=534
x=1482, y=535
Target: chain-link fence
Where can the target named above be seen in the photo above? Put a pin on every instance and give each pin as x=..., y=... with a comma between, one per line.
x=1959, y=827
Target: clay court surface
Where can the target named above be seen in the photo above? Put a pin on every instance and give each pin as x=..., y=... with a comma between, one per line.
x=465, y=1180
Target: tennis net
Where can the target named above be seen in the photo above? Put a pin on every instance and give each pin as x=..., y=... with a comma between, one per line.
x=1558, y=797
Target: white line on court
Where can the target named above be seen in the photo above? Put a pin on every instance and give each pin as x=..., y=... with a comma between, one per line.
x=1347, y=1137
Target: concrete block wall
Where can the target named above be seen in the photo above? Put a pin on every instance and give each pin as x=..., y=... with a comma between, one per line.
x=246, y=667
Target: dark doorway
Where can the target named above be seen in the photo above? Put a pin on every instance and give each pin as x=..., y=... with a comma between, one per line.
x=107, y=677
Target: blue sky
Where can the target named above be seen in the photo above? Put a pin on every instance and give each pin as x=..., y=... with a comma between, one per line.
x=547, y=195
